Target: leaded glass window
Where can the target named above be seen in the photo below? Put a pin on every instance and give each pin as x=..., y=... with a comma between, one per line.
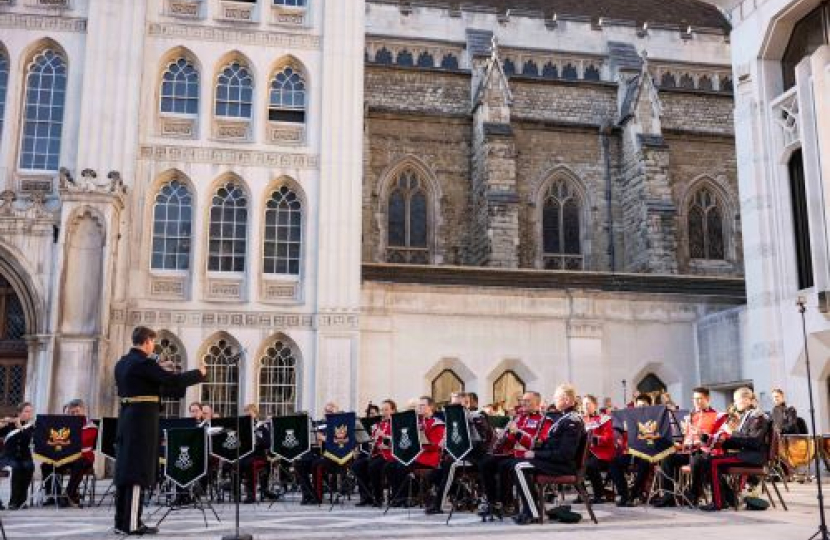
x=530, y=68
x=172, y=221
x=561, y=228
x=383, y=56
x=278, y=379
x=234, y=92
x=4, y=84
x=180, y=88
x=221, y=384
x=228, y=229
x=168, y=349
x=43, y=112
x=449, y=61
x=668, y=81
x=13, y=351
x=408, y=221
x=507, y=389
x=444, y=385
x=290, y=3
x=288, y=96
x=283, y=233
x=705, y=227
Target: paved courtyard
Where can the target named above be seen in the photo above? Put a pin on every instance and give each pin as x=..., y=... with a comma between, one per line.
x=288, y=520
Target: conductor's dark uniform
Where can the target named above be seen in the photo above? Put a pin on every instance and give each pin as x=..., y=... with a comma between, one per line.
x=141, y=383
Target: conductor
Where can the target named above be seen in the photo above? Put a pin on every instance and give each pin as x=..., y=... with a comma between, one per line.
x=141, y=382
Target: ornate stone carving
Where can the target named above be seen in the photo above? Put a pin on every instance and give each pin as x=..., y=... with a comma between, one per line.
x=287, y=16
x=268, y=320
x=585, y=329
x=222, y=289
x=231, y=130
x=238, y=11
x=286, y=133
x=785, y=113
x=42, y=22
x=167, y=287
x=190, y=9
x=61, y=4
x=228, y=156
x=182, y=128
x=281, y=291
x=234, y=36
x=89, y=182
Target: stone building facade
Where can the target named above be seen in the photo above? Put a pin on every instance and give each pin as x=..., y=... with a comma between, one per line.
x=357, y=200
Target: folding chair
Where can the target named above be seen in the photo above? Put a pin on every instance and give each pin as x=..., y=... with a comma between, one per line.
x=546, y=482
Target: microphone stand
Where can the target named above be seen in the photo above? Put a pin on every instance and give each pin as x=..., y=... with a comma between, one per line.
x=822, y=528
x=237, y=481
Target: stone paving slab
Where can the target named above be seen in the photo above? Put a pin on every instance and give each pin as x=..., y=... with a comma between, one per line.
x=288, y=520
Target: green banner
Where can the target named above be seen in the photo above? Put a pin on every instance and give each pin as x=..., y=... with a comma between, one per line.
x=291, y=437
x=185, y=458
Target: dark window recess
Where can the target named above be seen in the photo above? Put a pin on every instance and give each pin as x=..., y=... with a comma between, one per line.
x=530, y=68
x=426, y=60
x=569, y=72
x=449, y=62
x=405, y=58
x=383, y=56
x=591, y=73
x=801, y=223
x=808, y=34
x=550, y=71
x=668, y=81
x=285, y=115
x=509, y=67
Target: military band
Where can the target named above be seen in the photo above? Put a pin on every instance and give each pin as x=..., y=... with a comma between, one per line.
x=569, y=437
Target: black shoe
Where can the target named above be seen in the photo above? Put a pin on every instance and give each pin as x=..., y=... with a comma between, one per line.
x=666, y=501
x=711, y=507
x=525, y=519
x=145, y=530
x=626, y=503
x=309, y=501
x=432, y=510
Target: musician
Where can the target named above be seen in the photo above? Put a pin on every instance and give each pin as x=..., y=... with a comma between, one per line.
x=747, y=445
x=557, y=454
x=262, y=443
x=17, y=454
x=429, y=458
x=518, y=437
x=372, y=410
x=76, y=468
x=312, y=466
x=642, y=467
x=207, y=413
x=195, y=412
x=603, y=452
x=784, y=417
x=141, y=383
x=368, y=470
x=703, y=421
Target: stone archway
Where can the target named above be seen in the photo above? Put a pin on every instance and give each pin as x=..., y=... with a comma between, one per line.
x=13, y=349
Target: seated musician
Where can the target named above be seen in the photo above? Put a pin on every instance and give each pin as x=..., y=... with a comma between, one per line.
x=312, y=466
x=642, y=468
x=747, y=445
x=247, y=465
x=207, y=413
x=429, y=458
x=556, y=455
x=368, y=470
x=17, y=454
x=195, y=411
x=76, y=468
x=703, y=421
x=603, y=453
x=518, y=437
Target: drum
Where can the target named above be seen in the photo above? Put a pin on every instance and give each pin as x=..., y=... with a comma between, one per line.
x=824, y=442
x=797, y=450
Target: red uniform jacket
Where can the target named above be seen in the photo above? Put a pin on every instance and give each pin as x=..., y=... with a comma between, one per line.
x=382, y=433
x=529, y=427
x=600, y=429
x=430, y=455
x=708, y=421
x=89, y=439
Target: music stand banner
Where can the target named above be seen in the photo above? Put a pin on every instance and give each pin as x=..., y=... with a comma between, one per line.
x=340, y=437
x=57, y=438
x=457, y=435
x=291, y=436
x=406, y=441
x=107, y=430
x=649, y=432
x=185, y=459
x=225, y=443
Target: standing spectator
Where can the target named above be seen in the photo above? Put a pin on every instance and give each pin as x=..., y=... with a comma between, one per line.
x=784, y=417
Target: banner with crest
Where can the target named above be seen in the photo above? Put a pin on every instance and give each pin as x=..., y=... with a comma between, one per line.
x=291, y=436
x=458, y=439
x=225, y=439
x=406, y=441
x=340, y=438
x=57, y=438
x=185, y=459
x=649, y=431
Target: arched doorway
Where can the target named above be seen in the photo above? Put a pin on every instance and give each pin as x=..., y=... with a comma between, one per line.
x=13, y=351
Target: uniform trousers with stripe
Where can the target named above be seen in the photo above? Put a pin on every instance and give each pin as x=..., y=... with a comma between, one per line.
x=128, y=505
x=714, y=468
x=496, y=477
x=524, y=472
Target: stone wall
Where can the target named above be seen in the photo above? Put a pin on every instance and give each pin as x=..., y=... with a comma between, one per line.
x=698, y=111
x=417, y=90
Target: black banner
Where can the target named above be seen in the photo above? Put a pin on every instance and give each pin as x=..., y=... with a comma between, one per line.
x=458, y=441
x=185, y=459
x=406, y=443
x=225, y=440
x=107, y=429
x=649, y=432
x=290, y=436
x=340, y=439
x=368, y=423
x=57, y=438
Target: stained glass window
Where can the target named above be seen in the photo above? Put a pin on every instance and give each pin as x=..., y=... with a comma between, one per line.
x=408, y=227
x=705, y=227
x=278, y=379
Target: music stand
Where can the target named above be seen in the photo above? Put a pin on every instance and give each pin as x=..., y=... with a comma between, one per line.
x=461, y=437
x=107, y=429
x=57, y=441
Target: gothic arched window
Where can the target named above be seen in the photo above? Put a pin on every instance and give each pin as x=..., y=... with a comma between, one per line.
x=278, y=379
x=667, y=80
x=234, y=91
x=569, y=72
x=180, y=88
x=808, y=34
x=426, y=60
x=408, y=227
x=287, y=101
x=43, y=112
x=507, y=389
x=591, y=73
x=4, y=83
x=686, y=81
x=530, y=68
x=509, y=67
x=704, y=83
x=168, y=349
x=561, y=236
x=228, y=232
x=172, y=222
x=550, y=71
x=220, y=387
x=404, y=58
x=726, y=85
x=445, y=384
x=283, y=233
x=383, y=56
x=449, y=62
x=705, y=227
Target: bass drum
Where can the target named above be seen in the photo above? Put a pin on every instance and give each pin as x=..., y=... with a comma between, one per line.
x=797, y=450
x=825, y=446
